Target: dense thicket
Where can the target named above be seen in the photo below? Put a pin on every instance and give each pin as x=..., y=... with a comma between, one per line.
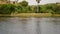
x=23, y=7
x=7, y=8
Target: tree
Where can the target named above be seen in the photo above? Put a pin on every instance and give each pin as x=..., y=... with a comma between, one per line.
x=24, y=3
x=7, y=8
x=57, y=9
x=23, y=7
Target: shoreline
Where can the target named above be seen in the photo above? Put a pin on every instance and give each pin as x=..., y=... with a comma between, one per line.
x=31, y=15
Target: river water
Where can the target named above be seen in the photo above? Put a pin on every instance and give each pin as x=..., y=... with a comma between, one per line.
x=17, y=25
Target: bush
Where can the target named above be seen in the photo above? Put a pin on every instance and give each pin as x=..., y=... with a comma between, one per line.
x=7, y=8
x=24, y=3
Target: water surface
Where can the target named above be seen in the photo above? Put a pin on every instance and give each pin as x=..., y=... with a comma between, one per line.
x=17, y=25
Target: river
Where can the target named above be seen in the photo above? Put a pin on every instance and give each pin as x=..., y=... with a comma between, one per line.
x=18, y=25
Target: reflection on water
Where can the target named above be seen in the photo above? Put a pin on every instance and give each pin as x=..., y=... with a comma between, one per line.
x=17, y=25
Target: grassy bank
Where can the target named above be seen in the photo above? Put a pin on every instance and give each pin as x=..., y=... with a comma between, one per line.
x=31, y=15
x=56, y=15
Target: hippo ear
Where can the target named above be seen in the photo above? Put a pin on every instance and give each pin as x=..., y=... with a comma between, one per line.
x=38, y=1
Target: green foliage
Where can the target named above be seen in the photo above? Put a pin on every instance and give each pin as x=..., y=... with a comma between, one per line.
x=23, y=7
x=19, y=9
x=29, y=10
x=24, y=3
x=34, y=9
x=7, y=8
x=50, y=8
x=57, y=9
x=43, y=9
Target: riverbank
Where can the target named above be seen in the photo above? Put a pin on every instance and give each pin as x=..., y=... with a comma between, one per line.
x=31, y=15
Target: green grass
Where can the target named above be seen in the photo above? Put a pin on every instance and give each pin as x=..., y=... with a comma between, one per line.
x=29, y=15
x=56, y=15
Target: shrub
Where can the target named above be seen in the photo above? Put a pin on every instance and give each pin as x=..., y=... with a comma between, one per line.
x=7, y=8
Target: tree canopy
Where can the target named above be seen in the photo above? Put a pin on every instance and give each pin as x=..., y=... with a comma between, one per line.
x=23, y=7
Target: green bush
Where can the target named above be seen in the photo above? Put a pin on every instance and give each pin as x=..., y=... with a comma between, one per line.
x=24, y=3
x=57, y=10
x=7, y=8
x=23, y=7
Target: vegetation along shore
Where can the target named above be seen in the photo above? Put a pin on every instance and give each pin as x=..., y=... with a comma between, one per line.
x=24, y=9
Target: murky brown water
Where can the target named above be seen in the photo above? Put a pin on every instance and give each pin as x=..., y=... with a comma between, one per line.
x=17, y=25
